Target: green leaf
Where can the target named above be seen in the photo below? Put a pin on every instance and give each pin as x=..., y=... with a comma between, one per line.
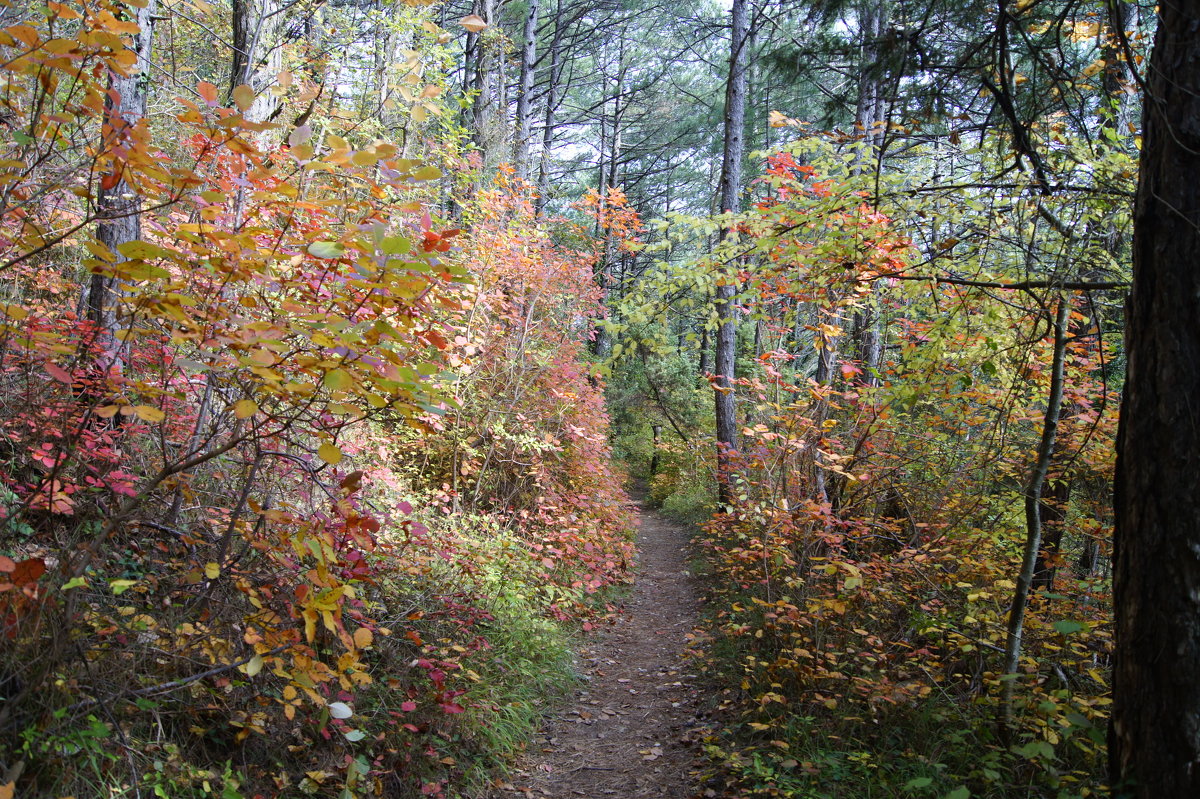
x=427, y=173
x=142, y=249
x=395, y=245
x=326, y=249
x=1036, y=749
x=355, y=735
x=1067, y=627
x=338, y=380
x=918, y=782
x=961, y=792
x=138, y=269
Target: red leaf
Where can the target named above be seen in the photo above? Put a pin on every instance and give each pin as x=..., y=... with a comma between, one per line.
x=27, y=571
x=7, y=564
x=58, y=373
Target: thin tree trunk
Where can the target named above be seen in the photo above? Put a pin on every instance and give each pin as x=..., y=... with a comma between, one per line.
x=551, y=108
x=1033, y=518
x=1154, y=737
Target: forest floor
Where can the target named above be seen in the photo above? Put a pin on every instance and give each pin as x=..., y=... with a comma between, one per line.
x=632, y=729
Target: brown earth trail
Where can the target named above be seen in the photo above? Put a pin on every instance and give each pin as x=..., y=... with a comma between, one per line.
x=631, y=729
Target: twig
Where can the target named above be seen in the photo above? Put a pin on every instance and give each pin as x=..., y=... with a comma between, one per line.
x=165, y=687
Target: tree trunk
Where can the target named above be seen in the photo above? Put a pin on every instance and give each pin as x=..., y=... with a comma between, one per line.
x=1033, y=518
x=726, y=290
x=480, y=81
x=1154, y=738
x=1052, y=508
x=257, y=58
x=525, y=97
x=118, y=207
x=869, y=118
x=657, y=430
x=552, y=97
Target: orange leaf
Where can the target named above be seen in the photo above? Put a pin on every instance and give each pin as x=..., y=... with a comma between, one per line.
x=28, y=571
x=208, y=92
x=473, y=22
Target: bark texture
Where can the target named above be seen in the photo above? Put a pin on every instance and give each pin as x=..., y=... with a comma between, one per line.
x=525, y=97
x=731, y=190
x=119, y=207
x=257, y=58
x=1154, y=740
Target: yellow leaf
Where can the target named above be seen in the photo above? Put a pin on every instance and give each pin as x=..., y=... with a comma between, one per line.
x=7, y=791
x=329, y=453
x=244, y=409
x=212, y=570
x=364, y=158
x=254, y=665
x=363, y=638
x=149, y=413
x=244, y=97
x=61, y=11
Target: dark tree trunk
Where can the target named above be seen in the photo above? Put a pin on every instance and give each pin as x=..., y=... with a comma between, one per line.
x=657, y=429
x=1154, y=739
x=730, y=200
x=1053, y=511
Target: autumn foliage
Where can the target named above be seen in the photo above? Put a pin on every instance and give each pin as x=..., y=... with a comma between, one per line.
x=223, y=570
x=865, y=568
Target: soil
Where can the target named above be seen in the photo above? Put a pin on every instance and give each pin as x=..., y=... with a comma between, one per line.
x=632, y=729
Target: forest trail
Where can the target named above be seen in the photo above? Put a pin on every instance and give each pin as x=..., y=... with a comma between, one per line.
x=631, y=729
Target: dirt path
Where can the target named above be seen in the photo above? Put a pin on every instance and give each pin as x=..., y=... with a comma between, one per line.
x=631, y=729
